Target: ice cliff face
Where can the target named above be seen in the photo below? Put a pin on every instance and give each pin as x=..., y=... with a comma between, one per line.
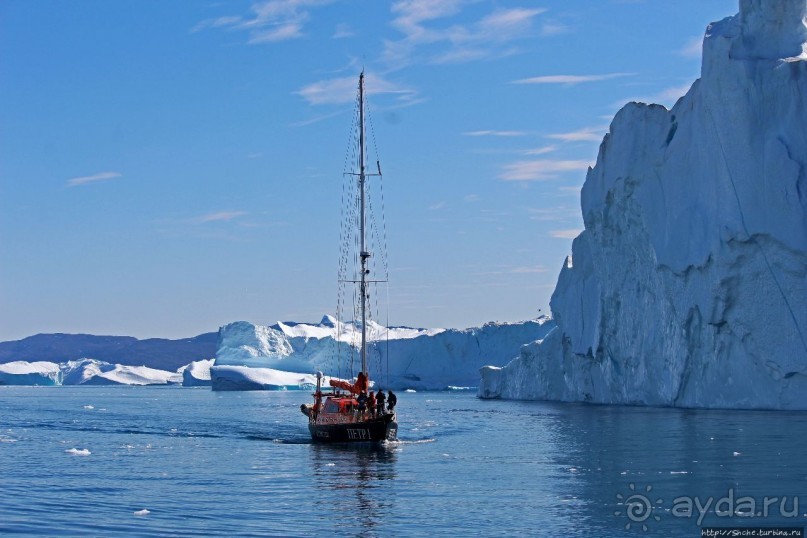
x=688, y=286
x=409, y=358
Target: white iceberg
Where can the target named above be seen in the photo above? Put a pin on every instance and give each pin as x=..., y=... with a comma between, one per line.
x=405, y=357
x=93, y=372
x=30, y=373
x=247, y=378
x=196, y=374
x=688, y=286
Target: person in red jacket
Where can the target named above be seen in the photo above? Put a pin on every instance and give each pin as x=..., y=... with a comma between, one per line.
x=361, y=382
x=371, y=403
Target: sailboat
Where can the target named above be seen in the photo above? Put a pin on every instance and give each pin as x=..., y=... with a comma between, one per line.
x=343, y=416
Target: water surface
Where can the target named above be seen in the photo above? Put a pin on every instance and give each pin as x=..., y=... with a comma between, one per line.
x=204, y=463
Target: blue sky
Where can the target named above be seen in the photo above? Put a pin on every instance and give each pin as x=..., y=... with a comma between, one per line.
x=168, y=167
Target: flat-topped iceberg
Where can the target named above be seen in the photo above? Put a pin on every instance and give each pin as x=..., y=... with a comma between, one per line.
x=246, y=378
x=688, y=286
x=399, y=357
x=83, y=372
x=93, y=372
x=30, y=373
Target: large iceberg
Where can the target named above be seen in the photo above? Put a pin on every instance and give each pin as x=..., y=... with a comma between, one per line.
x=30, y=373
x=83, y=372
x=688, y=286
x=399, y=357
x=94, y=372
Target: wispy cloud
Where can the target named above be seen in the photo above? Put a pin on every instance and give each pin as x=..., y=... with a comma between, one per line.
x=586, y=134
x=470, y=198
x=316, y=119
x=543, y=150
x=219, y=216
x=541, y=169
x=494, y=133
x=554, y=214
x=437, y=206
x=269, y=21
x=512, y=270
x=549, y=29
x=343, y=90
x=670, y=95
x=569, y=80
x=530, y=269
x=693, y=48
x=343, y=30
x=83, y=180
x=565, y=234
x=420, y=23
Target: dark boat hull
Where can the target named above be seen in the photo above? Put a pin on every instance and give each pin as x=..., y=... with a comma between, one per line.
x=374, y=430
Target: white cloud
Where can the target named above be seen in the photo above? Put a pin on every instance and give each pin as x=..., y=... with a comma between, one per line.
x=282, y=32
x=586, y=134
x=540, y=151
x=505, y=23
x=558, y=213
x=541, y=169
x=220, y=216
x=342, y=31
x=419, y=22
x=569, y=79
x=470, y=198
x=269, y=21
x=670, y=95
x=565, y=234
x=693, y=48
x=437, y=206
x=495, y=133
x=83, y=180
x=530, y=269
x=551, y=29
x=343, y=90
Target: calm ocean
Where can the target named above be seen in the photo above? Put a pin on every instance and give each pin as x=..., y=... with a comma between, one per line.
x=174, y=461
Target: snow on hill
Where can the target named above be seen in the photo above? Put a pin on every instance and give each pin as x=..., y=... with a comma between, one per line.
x=688, y=286
x=406, y=357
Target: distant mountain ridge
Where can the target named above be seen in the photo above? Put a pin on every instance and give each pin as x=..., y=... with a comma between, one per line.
x=160, y=353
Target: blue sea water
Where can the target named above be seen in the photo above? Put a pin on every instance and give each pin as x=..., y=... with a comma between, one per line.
x=241, y=464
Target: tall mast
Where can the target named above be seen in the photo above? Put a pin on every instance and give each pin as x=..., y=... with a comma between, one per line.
x=364, y=254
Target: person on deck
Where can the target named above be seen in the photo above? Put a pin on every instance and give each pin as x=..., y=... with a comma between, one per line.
x=317, y=403
x=380, y=400
x=392, y=401
x=361, y=382
x=371, y=403
x=361, y=399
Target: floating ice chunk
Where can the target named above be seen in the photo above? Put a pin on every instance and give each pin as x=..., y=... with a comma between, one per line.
x=143, y=512
x=78, y=451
